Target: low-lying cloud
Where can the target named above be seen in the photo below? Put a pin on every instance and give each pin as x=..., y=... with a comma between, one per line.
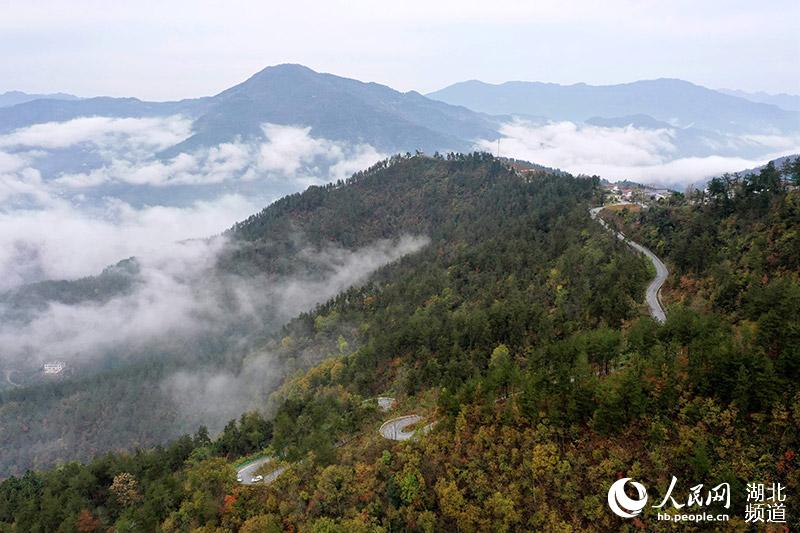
x=214, y=397
x=78, y=196
x=60, y=240
x=288, y=153
x=646, y=155
x=126, y=149
x=107, y=133
x=178, y=292
x=69, y=224
x=178, y=298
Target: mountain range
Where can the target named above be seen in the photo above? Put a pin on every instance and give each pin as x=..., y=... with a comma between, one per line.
x=676, y=102
x=215, y=145
x=789, y=102
x=12, y=98
x=452, y=118
x=334, y=107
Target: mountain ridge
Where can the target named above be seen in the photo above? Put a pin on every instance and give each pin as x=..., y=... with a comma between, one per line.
x=678, y=102
x=334, y=107
x=11, y=98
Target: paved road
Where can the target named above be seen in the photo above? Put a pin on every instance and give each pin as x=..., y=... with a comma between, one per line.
x=395, y=429
x=385, y=403
x=652, y=297
x=248, y=471
x=10, y=381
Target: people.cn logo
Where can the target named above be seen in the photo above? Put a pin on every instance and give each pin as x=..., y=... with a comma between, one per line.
x=621, y=503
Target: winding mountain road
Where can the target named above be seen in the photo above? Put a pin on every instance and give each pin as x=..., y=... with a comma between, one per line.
x=10, y=381
x=394, y=429
x=397, y=428
x=247, y=472
x=652, y=294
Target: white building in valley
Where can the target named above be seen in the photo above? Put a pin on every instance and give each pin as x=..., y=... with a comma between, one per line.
x=54, y=367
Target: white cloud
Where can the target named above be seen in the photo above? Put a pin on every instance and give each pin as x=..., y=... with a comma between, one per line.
x=214, y=397
x=644, y=155
x=162, y=303
x=62, y=241
x=46, y=234
x=11, y=162
x=287, y=153
x=289, y=147
x=565, y=144
x=178, y=296
x=120, y=134
x=19, y=180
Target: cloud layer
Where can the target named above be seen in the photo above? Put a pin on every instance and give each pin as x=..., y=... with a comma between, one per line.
x=117, y=134
x=645, y=155
x=125, y=148
x=179, y=294
x=214, y=397
x=80, y=195
x=63, y=241
x=73, y=223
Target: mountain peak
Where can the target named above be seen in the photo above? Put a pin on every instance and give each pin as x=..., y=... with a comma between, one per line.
x=277, y=72
x=337, y=108
x=285, y=68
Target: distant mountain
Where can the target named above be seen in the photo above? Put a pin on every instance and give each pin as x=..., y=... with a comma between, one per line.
x=338, y=108
x=676, y=102
x=23, y=302
x=701, y=123
x=54, y=110
x=334, y=107
x=18, y=97
x=779, y=162
x=790, y=102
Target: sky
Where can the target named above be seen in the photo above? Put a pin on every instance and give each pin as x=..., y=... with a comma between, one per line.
x=161, y=50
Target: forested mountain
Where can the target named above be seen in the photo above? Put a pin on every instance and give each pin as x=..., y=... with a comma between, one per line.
x=22, y=302
x=677, y=102
x=417, y=196
x=779, y=163
x=518, y=330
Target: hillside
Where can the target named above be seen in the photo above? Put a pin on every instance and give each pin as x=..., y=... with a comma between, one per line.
x=484, y=221
x=291, y=242
x=518, y=329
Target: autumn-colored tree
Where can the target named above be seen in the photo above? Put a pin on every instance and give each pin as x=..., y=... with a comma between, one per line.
x=125, y=489
x=263, y=523
x=86, y=523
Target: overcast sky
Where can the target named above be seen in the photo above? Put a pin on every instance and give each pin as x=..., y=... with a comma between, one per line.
x=171, y=49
